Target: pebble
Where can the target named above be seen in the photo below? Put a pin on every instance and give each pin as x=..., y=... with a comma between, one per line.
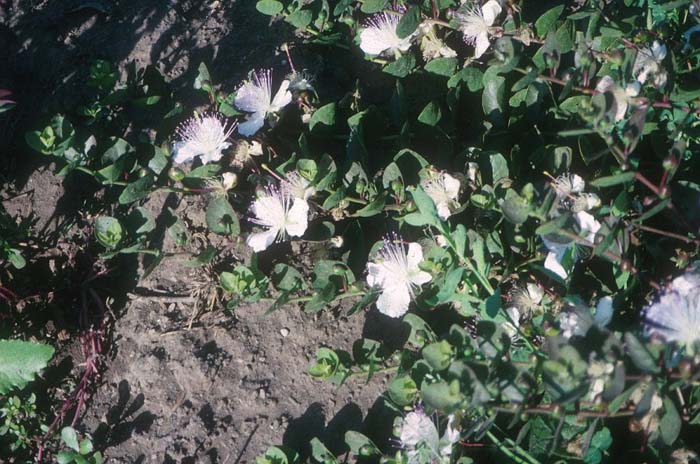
x=284, y=331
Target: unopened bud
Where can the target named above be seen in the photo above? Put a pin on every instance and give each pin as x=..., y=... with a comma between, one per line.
x=670, y=163
x=176, y=174
x=230, y=180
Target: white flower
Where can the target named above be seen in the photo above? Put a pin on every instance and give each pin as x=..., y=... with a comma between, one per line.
x=279, y=213
x=475, y=21
x=648, y=64
x=229, y=180
x=585, y=202
x=555, y=256
x=421, y=440
x=379, y=35
x=301, y=82
x=396, y=271
x=573, y=323
x=204, y=136
x=607, y=84
x=554, y=261
x=527, y=299
x=297, y=186
x=603, y=312
x=588, y=224
x=443, y=189
x=472, y=171
x=244, y=152
x=568, y=184
x=511, y=326
x=599, y=373
x=255, y=96
x=431, y=46
x=579, y=320
x=676, y=316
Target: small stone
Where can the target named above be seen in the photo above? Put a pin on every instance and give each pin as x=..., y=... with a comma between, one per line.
x=284, y=331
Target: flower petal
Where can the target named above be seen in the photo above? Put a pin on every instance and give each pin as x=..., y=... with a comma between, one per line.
x=283, y=97
x=552, y=263
x=589, y=225
x=414, y=256
x=452, y=186
x=481, y=44
x=603, y=312
x=490, y=11
x=376, y=274
x=252, y=124
x=374, y=40
x=297, y=218
x=183, y=152
x=443, y=210
x=259, y=241
x=394, y=299
x=251, y=98
x=658, y=50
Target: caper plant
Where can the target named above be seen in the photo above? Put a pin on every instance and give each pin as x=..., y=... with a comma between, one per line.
x=513, y=180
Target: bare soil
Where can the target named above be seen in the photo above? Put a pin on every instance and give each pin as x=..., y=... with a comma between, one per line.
x=219, y=387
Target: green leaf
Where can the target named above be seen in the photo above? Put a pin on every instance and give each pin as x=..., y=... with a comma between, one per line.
x=473, y=77
x=438, y=355
x=108, y=231
x=552, y=226
x=373, y=6
x=409, y=22
x=269, y=7
x=609, y=181
x=117, y=149
x=136, y=190
x=441, y=395
x=324, y=115
x=360, y=444
x=443, y=67
x=401, y=67
x=548, y=20
x=300, y=18
x=375, y=207
x=70, y=438
x=20, y=361
x=203, y=258
x=286, y=278
x=499, y=167
x=431, y=114
x=65, y=457
x=221, y=218
x=146, y=221
x=515, y=208
x=86, y=447
x=670, y=425
x=321, y=453
x=203, y=79
x=403, y=390
x=425, y=205
x=41, y=141
x=641, y=357
x=493, y=100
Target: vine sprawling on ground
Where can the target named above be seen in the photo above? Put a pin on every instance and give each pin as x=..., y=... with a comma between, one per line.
x=516, y=181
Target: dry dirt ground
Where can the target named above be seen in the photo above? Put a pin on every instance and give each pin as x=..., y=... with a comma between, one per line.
x=225, y=387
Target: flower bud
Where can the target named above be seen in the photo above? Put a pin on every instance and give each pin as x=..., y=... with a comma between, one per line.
x=230, y=180
x=670, y=163
x=176, y=174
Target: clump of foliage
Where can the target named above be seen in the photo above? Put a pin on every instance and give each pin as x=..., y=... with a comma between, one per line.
x=514, y=180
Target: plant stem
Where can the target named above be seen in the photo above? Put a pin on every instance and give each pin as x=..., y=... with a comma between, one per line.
x=526, y=457
x=304, y=299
